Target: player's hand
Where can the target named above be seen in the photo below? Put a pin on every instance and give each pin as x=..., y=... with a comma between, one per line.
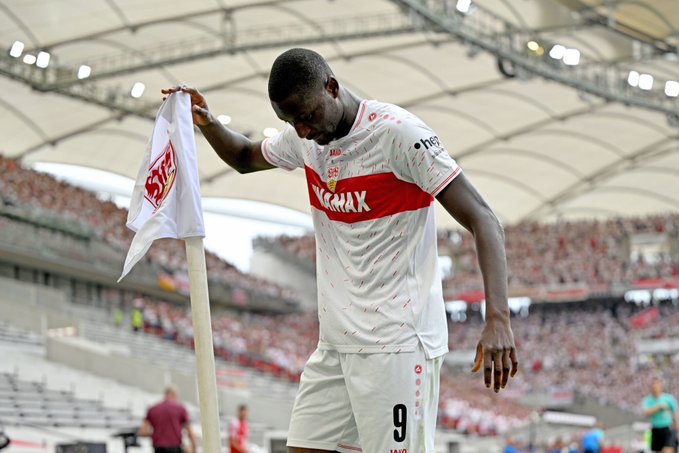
x=199, y=110
x=496, y=352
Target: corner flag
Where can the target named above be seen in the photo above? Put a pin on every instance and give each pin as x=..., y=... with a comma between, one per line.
x=166, y=197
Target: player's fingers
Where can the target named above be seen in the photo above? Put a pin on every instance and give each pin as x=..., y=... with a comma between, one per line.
x=478, y=358
x=170, y=90
x=188, y=89
x=201, y=111
x=515, y=362
x=497, y=370
x=487, y=368
x=506, y=363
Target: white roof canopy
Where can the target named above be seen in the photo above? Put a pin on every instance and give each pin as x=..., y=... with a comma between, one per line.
x=535, y=148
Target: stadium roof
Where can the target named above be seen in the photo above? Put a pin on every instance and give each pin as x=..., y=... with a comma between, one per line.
x=541, y=139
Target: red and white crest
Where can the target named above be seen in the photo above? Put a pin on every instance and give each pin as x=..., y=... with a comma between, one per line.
x=161, y=176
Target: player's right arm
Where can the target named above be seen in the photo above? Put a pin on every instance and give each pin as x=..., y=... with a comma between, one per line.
x=238, y=151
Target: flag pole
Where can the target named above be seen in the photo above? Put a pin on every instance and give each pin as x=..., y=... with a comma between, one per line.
x=202, y=335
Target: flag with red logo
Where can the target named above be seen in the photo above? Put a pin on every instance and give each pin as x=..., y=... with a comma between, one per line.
x=166, y=198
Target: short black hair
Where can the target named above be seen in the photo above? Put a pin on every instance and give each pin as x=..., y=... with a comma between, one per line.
x=297, y=71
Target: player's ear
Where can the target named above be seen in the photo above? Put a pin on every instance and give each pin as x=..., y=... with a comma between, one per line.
x=332, y=86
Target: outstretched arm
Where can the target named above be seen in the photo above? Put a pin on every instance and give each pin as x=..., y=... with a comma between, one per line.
x=496, y=350
x=238, y=151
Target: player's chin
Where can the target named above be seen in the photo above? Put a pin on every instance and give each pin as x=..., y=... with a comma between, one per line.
x=321, y=139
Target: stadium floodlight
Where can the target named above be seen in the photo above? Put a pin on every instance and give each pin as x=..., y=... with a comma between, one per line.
x=633, y=79
x=571, y=57
x=463, y=5
x=269, y=131
x=646, y=82
x=137, y=90
x=672, y=88
x=224, y=119
x=29, y=58
x=43, y=59
x=84, y=71
x=557, y=52
x=532, y=45
x=17, y=49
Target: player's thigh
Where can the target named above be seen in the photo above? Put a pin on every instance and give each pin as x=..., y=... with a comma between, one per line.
x=322, y=417
x=395, y=400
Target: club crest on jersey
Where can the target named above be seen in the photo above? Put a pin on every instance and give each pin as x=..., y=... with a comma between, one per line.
x=333, y=176
x=161, y=176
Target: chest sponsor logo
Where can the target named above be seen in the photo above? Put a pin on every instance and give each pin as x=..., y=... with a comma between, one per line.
x=335, y=152
x=342, y=202
x=364, y=197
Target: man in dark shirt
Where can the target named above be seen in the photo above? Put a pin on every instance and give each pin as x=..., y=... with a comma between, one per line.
x=164, y=423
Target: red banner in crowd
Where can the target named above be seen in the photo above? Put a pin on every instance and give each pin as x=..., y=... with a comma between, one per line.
x=646, y=318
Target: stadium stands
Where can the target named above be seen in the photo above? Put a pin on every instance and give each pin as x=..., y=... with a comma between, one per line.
x=557, y=261
x=66, y=218
x=592, y=352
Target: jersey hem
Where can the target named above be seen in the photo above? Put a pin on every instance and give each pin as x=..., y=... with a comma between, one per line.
x=372, y=349
x=331, y=446
x=435, y=353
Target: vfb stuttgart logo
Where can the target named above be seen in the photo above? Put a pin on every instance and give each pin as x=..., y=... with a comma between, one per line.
x=161, y=176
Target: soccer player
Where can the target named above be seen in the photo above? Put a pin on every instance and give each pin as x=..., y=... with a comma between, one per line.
x=373, y=171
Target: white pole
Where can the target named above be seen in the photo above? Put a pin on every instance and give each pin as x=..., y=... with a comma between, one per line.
x=202, y=335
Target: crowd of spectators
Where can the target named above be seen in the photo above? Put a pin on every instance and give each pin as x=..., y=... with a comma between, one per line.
x=592, y=254
x=591, y=352
x=34, y=194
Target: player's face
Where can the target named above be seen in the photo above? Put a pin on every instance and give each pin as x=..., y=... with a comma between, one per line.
x=314, y=116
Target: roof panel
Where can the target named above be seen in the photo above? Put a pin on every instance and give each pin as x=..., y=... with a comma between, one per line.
x=526, y=144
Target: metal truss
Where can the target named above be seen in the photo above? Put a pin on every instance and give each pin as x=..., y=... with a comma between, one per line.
x=63, y=80
x=233, y=41
x=483, y=29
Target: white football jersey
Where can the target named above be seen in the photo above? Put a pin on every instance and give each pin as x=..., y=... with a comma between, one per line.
x=372, y=201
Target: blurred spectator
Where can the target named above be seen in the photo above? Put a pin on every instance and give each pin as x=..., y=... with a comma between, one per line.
x=592, y=440
x=239, y=430
x=165, y=422
x=661, y=409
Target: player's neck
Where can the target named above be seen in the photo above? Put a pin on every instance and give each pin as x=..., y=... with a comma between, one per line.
x=350, y=106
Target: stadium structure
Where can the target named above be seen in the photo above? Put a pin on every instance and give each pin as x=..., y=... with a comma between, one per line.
x=563, y=113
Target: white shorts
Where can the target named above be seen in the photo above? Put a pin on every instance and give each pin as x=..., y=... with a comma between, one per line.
x=372, y=403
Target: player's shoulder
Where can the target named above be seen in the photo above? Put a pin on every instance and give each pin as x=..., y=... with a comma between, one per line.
x=391, y=119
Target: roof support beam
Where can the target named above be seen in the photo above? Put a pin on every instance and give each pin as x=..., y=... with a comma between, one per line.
x=483, y=28
x=60, y=78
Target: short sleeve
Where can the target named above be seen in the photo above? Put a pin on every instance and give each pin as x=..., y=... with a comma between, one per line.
x=185, y=416
x=417, y=155
x=284, y=149
x=646, y=403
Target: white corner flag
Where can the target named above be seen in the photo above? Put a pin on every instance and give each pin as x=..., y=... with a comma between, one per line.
x=166, y=197
x=166, y=204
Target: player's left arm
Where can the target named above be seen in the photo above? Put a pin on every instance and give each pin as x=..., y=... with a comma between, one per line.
x=496, y=350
